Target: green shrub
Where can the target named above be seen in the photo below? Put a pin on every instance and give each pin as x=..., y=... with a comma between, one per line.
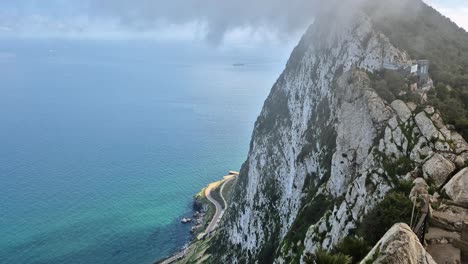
x=307, y=216
x=388, y=84
x=324, y=257
x=404, y=187
x=354, y=247
x=396, y=207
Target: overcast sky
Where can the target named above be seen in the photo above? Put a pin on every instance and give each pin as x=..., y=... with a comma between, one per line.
x=219, y=21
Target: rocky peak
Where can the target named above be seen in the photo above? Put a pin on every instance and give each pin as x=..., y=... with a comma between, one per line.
x=327, y=148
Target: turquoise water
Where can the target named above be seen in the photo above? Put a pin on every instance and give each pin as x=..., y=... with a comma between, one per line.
x=103, y=144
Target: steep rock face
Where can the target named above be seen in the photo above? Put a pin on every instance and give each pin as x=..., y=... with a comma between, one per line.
x=313, y=134
x=326, y=148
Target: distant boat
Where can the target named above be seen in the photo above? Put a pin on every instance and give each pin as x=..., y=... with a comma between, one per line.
x=238, y=64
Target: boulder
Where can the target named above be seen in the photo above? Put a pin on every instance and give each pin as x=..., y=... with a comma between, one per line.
x=399, y=246
x=459, y=142
x=393, y=123
x=438, y=121
x=457, y=187
x=412, y=106
x=437, y=169
x=459, y=161
x=401, y=109
x=426, y=126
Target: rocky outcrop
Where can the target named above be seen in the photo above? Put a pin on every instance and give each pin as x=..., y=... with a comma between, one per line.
x=427, y=127
x=399, y=246
x=402, y=110
x=446, y=237
x=327, y=148
x=457, y=188
x=438, y=169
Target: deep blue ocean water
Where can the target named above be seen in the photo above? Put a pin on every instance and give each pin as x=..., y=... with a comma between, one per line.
x=104, y=143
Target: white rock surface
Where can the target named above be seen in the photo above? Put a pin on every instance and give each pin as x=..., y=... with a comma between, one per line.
x=437, y=169
x=402, y=110
x=457, y=187
x=399, y=246
x=426, y=126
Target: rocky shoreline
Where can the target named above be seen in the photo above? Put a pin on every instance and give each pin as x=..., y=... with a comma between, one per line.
x=203, y=214
x=200, y=210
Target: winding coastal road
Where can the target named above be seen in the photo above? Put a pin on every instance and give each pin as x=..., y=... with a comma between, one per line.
x=219, y=208
x=219, y=212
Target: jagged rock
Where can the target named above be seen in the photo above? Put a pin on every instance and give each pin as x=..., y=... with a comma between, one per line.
x=393, y=123
x=402, y=110
x=412, y=106
x=389, y=141
x=400, y=140
x=449, y=217
x=459, y=143
x=457, y=187
x=442, y=146
x=437, y=120
x=399, y=246
x=459, y=161
x=421, y=151
x=445, y=132
x=437, y=169
x=426, y=126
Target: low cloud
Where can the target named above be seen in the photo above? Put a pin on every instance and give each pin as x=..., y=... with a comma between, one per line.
x=213, y=20
x=218, y=17
x=217, y=21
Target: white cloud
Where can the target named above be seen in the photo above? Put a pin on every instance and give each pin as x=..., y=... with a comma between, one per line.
x=237, y=23
x=85, y=27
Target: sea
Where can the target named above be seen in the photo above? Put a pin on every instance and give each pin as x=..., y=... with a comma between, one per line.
x=104, y=143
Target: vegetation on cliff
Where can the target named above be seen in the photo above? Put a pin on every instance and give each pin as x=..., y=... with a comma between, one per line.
x=425, y=34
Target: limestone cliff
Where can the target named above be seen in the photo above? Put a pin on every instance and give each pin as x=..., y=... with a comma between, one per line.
x=326, y=147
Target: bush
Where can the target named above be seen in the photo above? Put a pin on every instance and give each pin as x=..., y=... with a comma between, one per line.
x=354, y=247
x=396, y=207
x=388, y=84
x=307, y=216
x=324, y=257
